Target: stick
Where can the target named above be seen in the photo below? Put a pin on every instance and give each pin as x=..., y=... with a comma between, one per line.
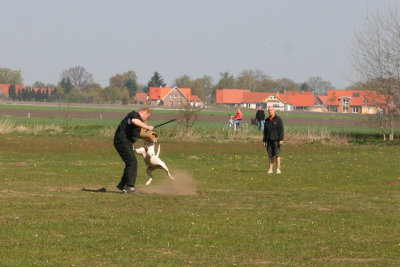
x=161, y=124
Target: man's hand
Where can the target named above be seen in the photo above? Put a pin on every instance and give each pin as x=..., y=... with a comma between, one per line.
x=150, y=128
x=281, y=142
x=264, y=144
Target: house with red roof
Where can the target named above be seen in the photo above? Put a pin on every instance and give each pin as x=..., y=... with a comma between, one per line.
x=5, y=88
x=141, y=98
x=196, y=101
x=172, y=97
x=255, y=99
x=247, y=99
x=231, y=97
x=298, y=99
x=354, y=101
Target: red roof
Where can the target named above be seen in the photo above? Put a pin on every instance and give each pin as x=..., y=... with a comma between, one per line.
x=255, y=97
x=159, y=93
x=230, y=96
x=4, y=87
x=195, y=98
x=298, y=99
x=358, y=97
x=324, y=99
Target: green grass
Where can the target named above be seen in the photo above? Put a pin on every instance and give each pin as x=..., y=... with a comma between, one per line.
x=332, y=205
x=212, y=111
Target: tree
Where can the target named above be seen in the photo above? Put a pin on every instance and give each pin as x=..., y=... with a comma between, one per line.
x=127, y=80
x=78, y=76
x=198, y=88
x=376, y=59
x=188, y=115
x=286, y=84
x=208, y=88
x=183, y=82
x=226, y=81
x=10, y=76
x=251, y=79
x=155, y=81
x=66, y=85
x=319, y=86
x=38, y=84
x=12, y=94
x=305, y=87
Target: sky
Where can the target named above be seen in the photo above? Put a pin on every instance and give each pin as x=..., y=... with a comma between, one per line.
x=295, y=39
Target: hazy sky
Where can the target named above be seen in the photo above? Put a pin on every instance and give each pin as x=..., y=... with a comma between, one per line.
x=296, y=39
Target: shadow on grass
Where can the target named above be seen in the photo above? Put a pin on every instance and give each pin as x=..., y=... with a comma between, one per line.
x=100, y=190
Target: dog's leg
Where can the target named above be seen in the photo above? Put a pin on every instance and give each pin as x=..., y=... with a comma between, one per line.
x=141, y=151
x=158, y=151
x=163, y=166
x=149, y=173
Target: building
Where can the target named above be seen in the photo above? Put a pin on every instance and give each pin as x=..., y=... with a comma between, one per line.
x=354, y=101
x=230, y=97
x=141, y=98
x=298, y=99
x=173, y=97
x=5, y=88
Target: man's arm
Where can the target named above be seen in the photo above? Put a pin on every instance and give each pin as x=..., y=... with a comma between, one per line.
x=141, y=124
x=281, y=131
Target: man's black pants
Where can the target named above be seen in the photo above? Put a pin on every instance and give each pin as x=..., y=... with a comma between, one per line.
x=125, y=150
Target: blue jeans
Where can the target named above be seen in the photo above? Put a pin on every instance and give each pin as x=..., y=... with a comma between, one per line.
x=260, y=125
x=236, y=123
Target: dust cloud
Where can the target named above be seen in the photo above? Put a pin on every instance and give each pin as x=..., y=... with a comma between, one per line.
x=184, y=184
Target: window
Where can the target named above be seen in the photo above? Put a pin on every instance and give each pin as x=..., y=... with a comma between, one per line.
x=171, y=103
x=175, y=95
x=275, y=105
x=170, y=96
x=334, y=109
x=356, y=94
x=345, y=109
x=180, y=103
x=345, y=102
x=356, y=109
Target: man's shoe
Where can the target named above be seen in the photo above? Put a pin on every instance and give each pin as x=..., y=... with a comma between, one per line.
x=278, y=171
x=130, y=190
x=270, y=171
x=120, y=187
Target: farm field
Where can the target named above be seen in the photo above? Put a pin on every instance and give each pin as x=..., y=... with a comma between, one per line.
x=332, y=205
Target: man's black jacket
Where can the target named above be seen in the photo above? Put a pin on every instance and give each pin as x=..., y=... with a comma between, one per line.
x=273, y=130
x=260, y=115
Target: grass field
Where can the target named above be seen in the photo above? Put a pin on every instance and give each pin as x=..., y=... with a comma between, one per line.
x=332, y=205
x=217, y=111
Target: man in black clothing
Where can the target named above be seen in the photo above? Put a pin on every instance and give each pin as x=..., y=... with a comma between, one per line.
x=260, y=118
x=273, y=139
x=126, y=134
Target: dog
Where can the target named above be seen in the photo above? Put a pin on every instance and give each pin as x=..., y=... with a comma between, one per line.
x=152, y=160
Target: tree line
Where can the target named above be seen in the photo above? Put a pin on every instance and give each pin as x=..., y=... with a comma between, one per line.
x=77, y=85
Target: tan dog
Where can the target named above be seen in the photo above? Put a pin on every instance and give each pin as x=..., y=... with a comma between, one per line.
x=152, y=159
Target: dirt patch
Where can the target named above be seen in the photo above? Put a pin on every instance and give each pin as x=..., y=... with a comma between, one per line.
x=18, y=163
x=21, y=128
x=184, y=184
x=393, y=183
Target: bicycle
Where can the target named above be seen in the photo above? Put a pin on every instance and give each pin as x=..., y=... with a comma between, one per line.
x=230, y=124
